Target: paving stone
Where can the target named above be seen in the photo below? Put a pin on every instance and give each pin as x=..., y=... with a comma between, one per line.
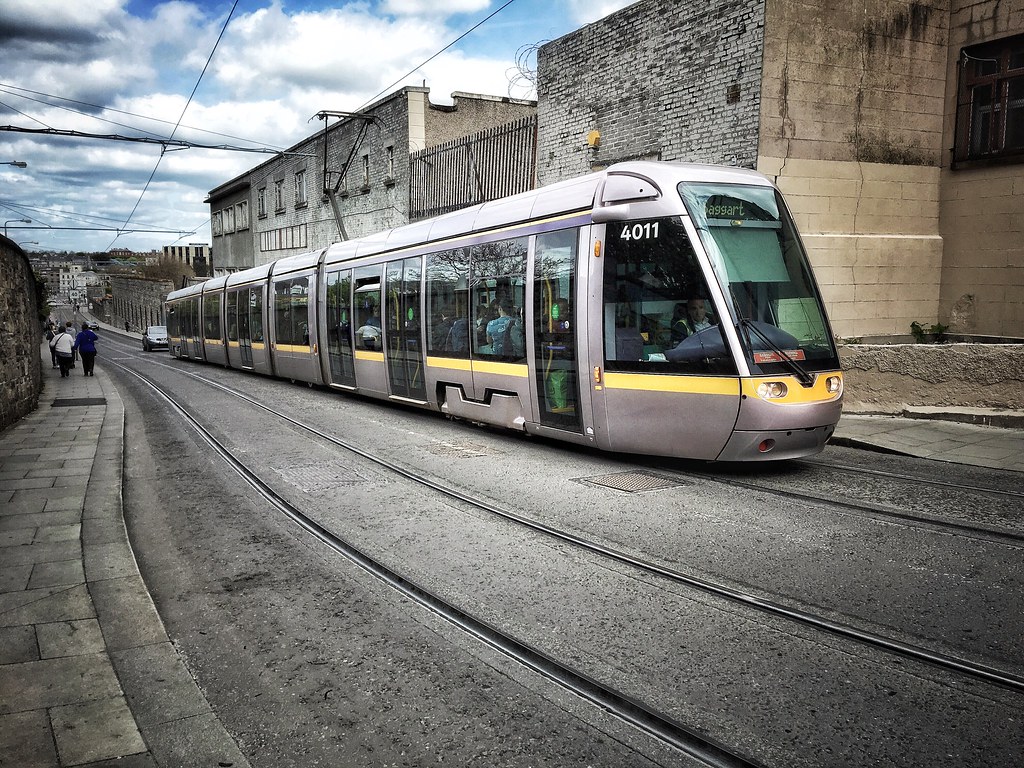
x=69, y=638
x=96, y=730
x=18, y=644
x=26, y=740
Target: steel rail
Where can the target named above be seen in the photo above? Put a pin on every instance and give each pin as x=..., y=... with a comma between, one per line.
x=944, y=661
x=632, y=711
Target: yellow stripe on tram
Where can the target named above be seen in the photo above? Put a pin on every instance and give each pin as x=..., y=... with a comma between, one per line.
x=373, y=357
x=694, y=385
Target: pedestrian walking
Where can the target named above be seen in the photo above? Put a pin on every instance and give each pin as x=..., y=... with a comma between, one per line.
x=63, y=345
x=85, y=343
x=51, y=331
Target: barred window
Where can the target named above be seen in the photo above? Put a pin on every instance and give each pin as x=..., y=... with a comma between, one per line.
x=990, y=104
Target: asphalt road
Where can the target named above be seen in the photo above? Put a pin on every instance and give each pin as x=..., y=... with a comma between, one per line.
x=308, y=660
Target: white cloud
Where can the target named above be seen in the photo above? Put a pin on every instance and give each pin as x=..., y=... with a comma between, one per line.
x=273, y=70
x=587, y=11
x=432, y=7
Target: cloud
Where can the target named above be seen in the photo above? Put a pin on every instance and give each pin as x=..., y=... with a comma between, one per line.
x=587, y=11
x=273, y=70
x=429, y=8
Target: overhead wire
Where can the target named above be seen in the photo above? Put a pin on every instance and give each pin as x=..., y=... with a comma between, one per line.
x=438, y=53
x=14, y=90
x=163, y=150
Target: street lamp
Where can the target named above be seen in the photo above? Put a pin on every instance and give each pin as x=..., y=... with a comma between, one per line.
x=21, y=221
x=15, y=163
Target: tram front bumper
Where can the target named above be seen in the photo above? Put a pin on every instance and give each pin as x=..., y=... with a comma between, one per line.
x=776, y=445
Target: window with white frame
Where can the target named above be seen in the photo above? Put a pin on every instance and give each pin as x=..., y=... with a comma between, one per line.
x=366, y=171
x=215, y=224
x=261, y=202
x=242, y=215
x=300, y=188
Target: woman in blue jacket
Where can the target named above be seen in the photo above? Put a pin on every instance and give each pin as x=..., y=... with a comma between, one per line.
x=85, y=343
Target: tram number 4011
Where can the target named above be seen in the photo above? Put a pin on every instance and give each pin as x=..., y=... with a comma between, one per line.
x=645, y=231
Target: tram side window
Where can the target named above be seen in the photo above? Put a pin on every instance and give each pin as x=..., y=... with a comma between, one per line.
x=651, y=281
x=367, y=308
x=291, y=311
x=499, y=290
x=211, y=317
x=448, y=303
x=255, y=315
x=231, y=310
x=172, y=322
x=339, y=313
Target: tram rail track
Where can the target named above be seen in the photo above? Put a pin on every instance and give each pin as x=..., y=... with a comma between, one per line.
x=969, y=530
x=655, y=724
x=850, y=469
x=948, y=662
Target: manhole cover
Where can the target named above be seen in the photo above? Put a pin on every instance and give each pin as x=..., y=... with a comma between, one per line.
x=634, y=482
x=320, y=477
x=71, y=402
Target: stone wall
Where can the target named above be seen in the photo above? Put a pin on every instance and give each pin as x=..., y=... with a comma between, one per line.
x=21, y=376
x=661, y=79
x=887, y=378
x=137, y=301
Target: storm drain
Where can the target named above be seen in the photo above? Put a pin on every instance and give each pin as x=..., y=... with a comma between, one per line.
x=71, y=402
x=459, y=450
x=319, y=477
x=634, y=482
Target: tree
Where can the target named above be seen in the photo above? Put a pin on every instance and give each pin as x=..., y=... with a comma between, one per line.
x=169, y=268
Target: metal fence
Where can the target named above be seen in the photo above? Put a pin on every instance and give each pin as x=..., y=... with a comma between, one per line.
x=483, y=166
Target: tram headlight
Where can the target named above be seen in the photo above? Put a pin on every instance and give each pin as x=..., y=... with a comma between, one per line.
x=771, y=390
x=834, y=385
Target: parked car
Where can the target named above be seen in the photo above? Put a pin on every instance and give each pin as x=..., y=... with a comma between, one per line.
x=155, y=337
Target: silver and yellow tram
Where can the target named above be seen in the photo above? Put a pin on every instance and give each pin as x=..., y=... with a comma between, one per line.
x=572, y=311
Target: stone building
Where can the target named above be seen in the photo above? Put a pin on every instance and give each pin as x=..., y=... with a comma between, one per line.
x=894, y=127
x=351, y=179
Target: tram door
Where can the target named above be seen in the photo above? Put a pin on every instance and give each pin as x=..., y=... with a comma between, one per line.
x=339, y=328
x=402, y=329
x=555, y=330
x=249, y=315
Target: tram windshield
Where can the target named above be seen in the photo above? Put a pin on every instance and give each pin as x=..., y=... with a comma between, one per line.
x=752, y=243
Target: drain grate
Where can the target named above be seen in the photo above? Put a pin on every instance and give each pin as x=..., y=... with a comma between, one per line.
x=634, y=482
x=464, y=450
x=319, y=477
x=71, y=402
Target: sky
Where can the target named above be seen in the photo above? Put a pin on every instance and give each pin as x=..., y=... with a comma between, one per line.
x=242, y=73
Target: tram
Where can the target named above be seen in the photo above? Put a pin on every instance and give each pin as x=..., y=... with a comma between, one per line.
x=653, y=308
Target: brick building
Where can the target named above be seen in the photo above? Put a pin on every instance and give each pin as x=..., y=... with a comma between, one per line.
x=307, y=198
x=895, y=128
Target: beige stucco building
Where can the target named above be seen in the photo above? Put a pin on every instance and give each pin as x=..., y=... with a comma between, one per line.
x=894, y=127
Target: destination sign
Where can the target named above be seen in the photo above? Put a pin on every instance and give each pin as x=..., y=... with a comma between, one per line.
x=734, y=209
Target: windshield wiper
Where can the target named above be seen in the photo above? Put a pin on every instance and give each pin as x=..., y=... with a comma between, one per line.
x=802, y=375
